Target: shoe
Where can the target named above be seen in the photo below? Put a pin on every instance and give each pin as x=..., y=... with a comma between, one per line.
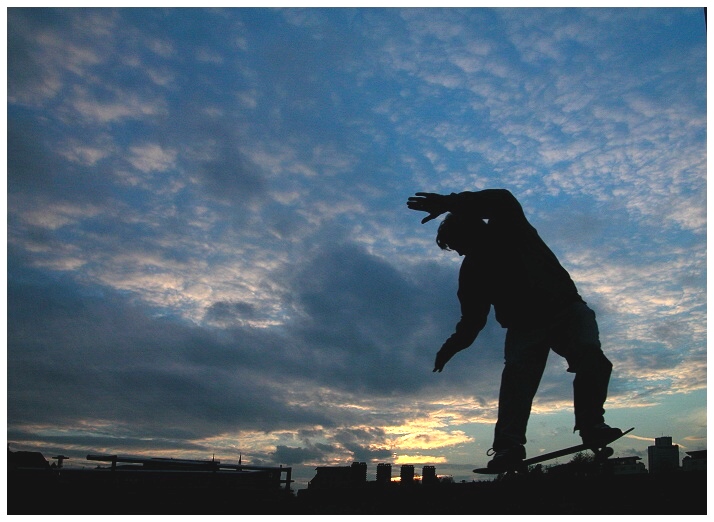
x=600, y=435
x=508, y=459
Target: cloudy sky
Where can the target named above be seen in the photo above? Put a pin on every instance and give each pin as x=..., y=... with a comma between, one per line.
x=209, y=250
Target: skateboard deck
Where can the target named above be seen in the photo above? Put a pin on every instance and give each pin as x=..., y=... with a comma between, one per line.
x=602, y=452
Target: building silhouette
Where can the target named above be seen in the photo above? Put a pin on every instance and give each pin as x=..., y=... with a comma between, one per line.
x=695, y=461
x=355, y=476
x=336, y=477
x=663, y=456
x=627, y=465
x=139, y=485
x=428, y=475
x=406, y=474
x=384, y=473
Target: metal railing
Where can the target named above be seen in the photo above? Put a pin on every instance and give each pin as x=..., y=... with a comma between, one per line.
x=169, y=464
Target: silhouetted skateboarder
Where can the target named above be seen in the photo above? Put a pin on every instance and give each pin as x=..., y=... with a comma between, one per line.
x=508, y=266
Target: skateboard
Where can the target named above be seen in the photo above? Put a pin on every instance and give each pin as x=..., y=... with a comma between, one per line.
x=602, y=453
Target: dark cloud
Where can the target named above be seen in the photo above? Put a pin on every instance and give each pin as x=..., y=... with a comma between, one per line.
x=31, y=166
x=30, y=75
x=292, y=456
x=78, y=354
x=231, y=178
x=78, y=357
x=39, y=176
x=651, y=356
x=227, y=312
x=116, y=442
x=343, y=286
x=364, y=445
x=347, y=445
x=671, y=332
x=364, y=321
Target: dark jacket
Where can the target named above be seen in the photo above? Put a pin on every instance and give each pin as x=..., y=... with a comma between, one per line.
x=512, y=269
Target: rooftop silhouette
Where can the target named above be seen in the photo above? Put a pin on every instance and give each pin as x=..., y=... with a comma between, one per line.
x=129, y=485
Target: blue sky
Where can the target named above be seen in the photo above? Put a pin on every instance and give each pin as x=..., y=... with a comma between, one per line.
x=209, y=250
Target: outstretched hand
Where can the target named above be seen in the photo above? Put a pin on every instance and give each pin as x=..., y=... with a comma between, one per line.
x=442, y=358
x=434, y=204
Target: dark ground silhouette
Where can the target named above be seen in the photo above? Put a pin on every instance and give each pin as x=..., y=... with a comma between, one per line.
x=41, y=489
x=676, y=493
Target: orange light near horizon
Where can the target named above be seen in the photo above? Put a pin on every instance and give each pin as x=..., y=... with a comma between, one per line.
x=399, y=479
x=418, y=459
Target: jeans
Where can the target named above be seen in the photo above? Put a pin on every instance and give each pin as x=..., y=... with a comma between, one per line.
x=572, y=334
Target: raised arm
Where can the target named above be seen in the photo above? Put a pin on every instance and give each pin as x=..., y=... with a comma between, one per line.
x=485, y=204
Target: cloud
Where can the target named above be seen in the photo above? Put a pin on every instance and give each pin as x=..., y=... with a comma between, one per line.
x=40, y=58
x=151, y=157
x=29, y=160
x=231, y=178
x=228, y=312
x=120, y=106
x=293, y=456
x=111, y=360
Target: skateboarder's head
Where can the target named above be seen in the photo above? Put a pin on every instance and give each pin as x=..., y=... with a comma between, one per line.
x=461, y=233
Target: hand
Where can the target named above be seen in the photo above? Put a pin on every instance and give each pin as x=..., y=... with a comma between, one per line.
x=434, y=204
x=442, y=358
